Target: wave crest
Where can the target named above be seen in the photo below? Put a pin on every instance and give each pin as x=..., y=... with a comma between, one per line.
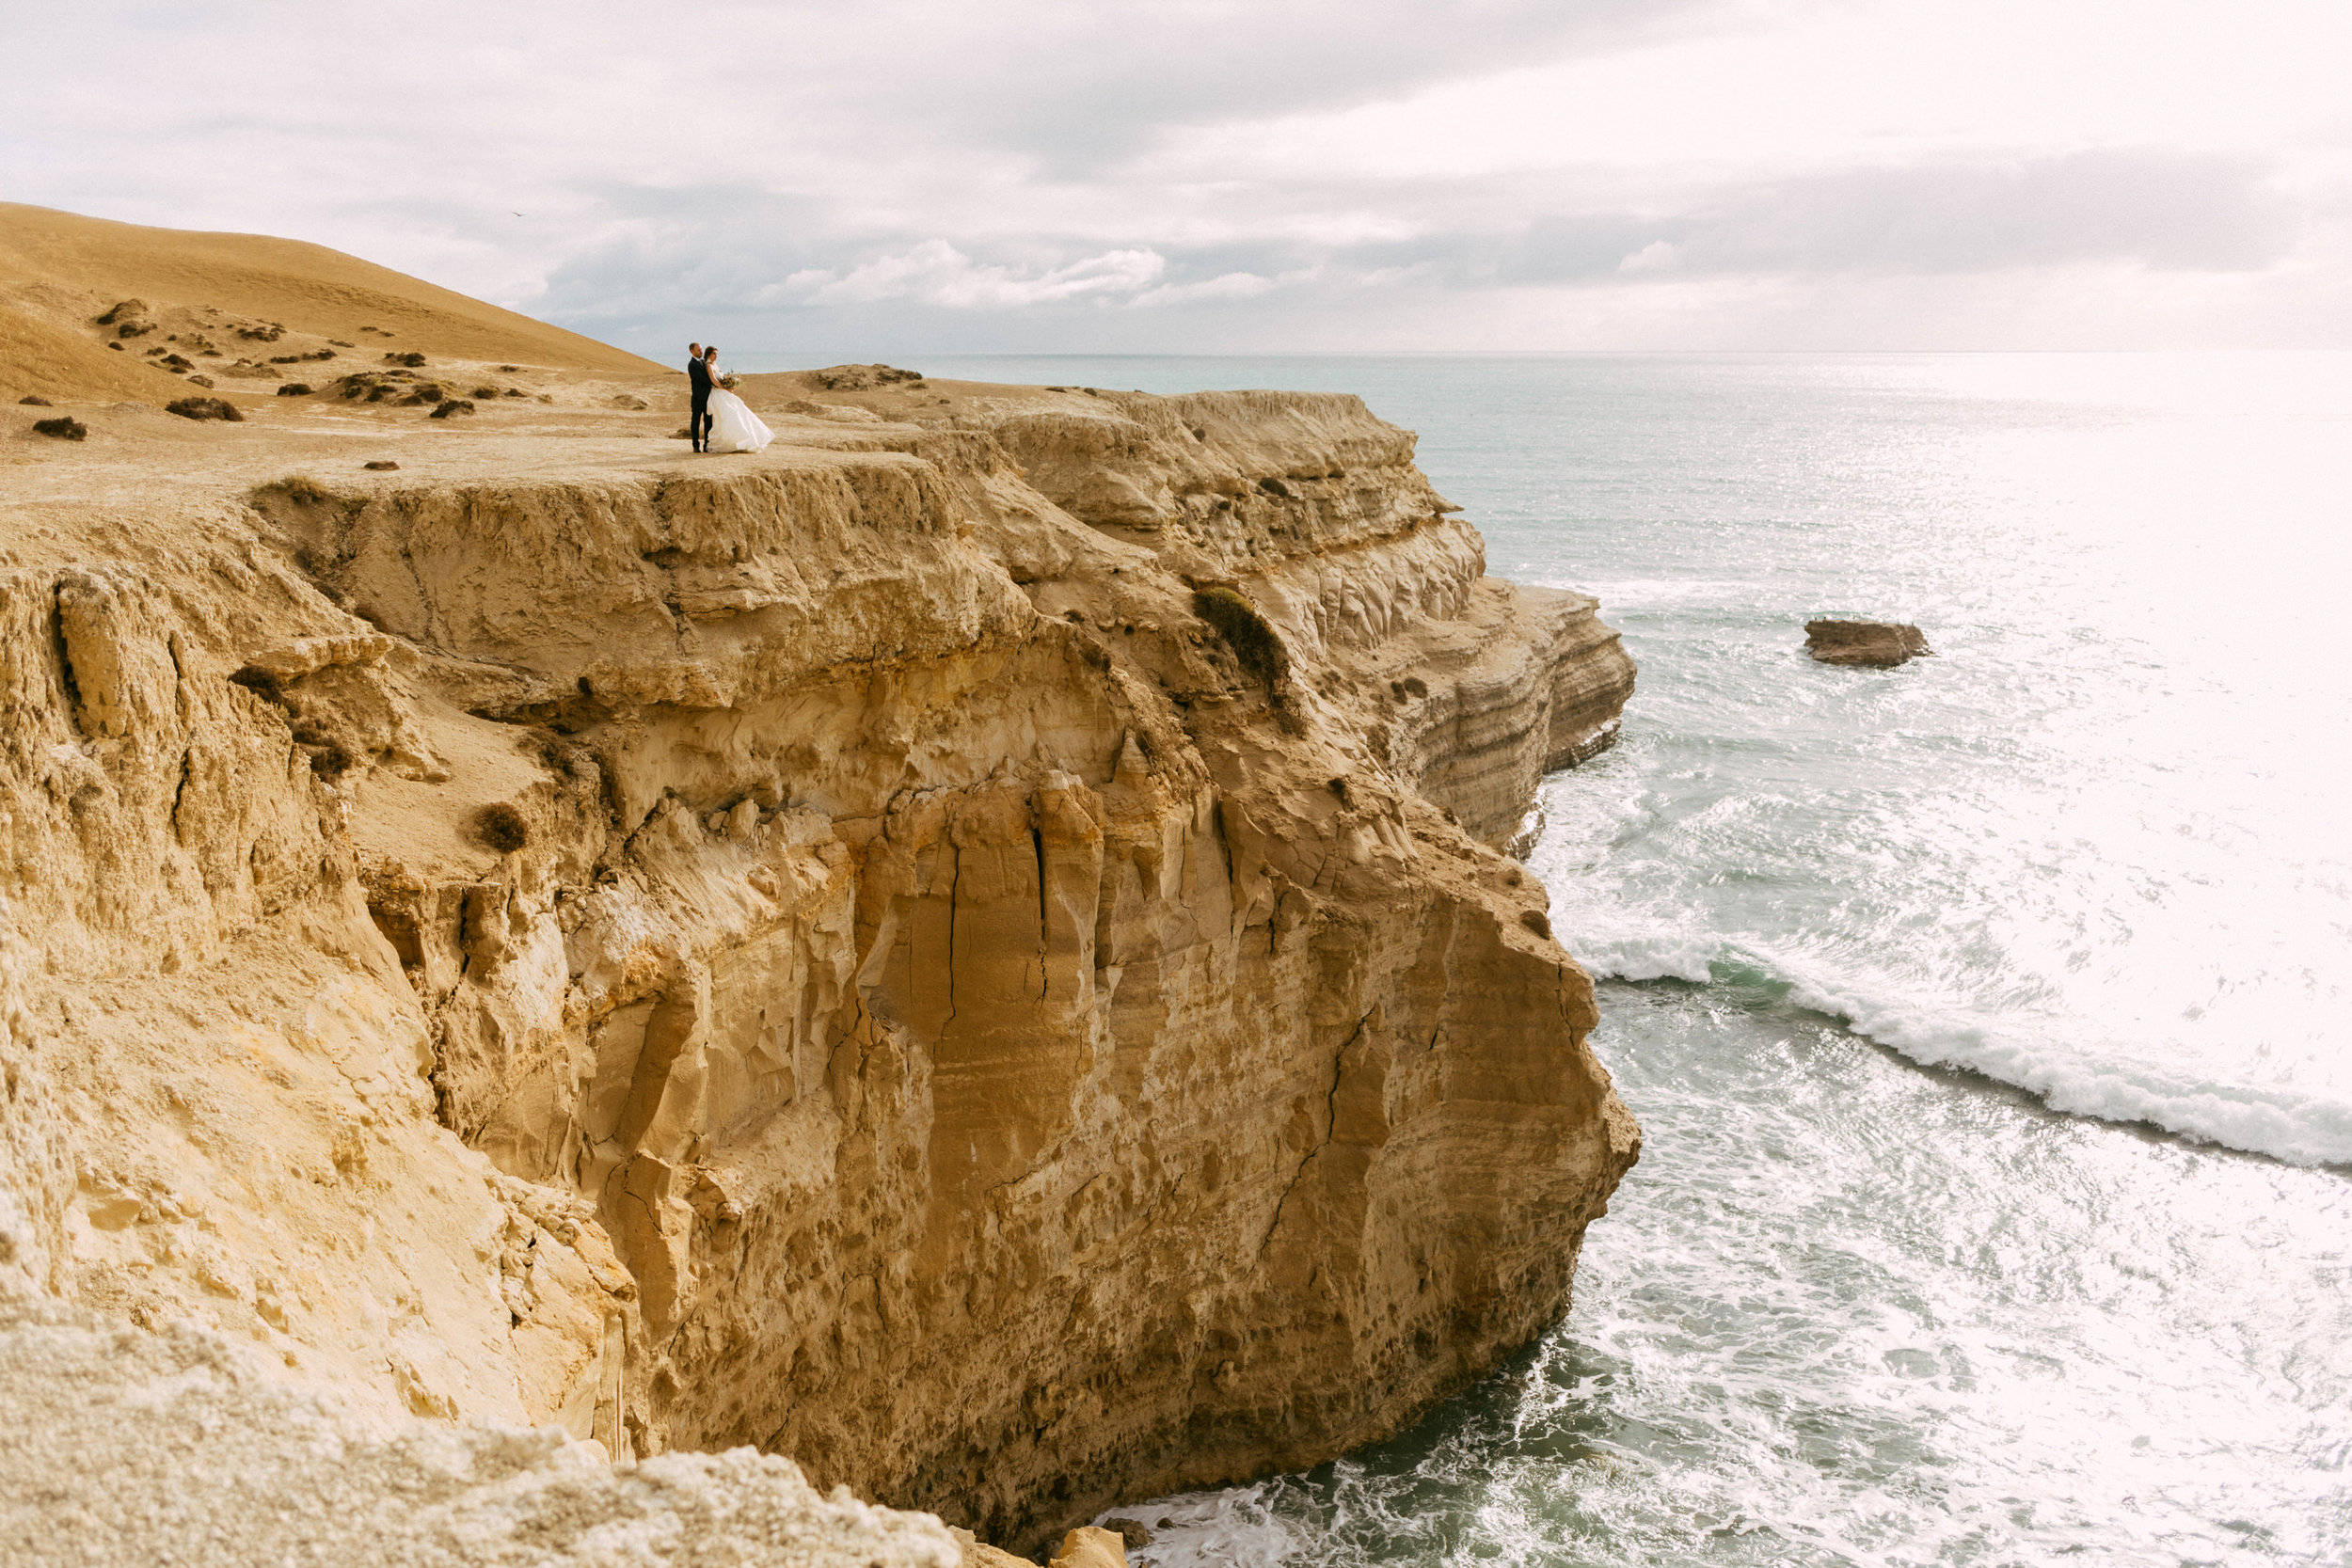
x=2299, y=1129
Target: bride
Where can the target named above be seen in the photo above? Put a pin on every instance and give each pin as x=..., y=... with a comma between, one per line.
x=733, y=425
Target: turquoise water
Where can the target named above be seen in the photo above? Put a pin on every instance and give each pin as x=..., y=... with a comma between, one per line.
x=1987, y=1017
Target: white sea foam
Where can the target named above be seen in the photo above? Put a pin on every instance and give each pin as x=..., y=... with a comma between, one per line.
x=2299, y=1129
x=1645, y=955
x=1230, y=1529
x=1640, y=593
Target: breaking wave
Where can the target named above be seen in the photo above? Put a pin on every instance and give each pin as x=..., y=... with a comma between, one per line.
x=2277, y=1121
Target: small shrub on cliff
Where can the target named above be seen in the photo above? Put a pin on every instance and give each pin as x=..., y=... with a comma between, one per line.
x=502, y=826
x=1255, y=643
x=65, y=428
x=455, y=405
x=34, y=400
x=204, y=408
x=294, y=390
x=411, y=360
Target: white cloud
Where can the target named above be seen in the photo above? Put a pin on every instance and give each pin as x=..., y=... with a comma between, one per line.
x=936, y=273
x=1244, y=175
x=1230, y=285
x=1656, y=256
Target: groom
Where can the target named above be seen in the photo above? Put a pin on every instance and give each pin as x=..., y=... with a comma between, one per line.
x=698, y=418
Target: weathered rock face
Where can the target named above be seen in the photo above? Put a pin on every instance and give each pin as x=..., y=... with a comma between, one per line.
x=1877, y=645
x=948, y=1022
x=128, y=1449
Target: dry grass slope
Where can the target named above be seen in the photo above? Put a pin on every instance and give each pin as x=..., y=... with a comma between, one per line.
x=59, y=271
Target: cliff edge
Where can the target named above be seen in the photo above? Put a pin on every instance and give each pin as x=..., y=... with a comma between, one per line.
x=969, y=949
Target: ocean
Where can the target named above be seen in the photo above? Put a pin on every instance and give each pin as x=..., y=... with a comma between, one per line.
x=1987, y=1018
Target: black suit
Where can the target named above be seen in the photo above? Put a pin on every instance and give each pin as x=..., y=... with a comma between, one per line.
x=698, y=419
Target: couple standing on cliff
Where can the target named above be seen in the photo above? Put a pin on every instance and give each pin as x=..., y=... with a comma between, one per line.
x=719, y=420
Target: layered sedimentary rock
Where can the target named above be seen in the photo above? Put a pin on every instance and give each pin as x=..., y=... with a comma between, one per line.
x=827, y=951
x=1873, y=644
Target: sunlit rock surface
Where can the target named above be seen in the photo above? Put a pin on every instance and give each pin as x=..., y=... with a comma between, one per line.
x=948, y=1022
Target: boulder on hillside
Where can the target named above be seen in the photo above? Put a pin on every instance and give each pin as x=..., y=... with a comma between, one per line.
x=204, y=408
x=129, y=318
x=1877, y=645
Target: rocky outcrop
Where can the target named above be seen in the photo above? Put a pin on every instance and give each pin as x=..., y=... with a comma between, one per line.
x=928, y=1007
x=1876, y=645
x=133, y=1448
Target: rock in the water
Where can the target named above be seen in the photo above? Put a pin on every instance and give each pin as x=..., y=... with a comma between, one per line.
x=1879, y=645
x=1129, y=1530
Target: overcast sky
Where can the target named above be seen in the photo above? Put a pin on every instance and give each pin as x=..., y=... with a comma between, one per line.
x=904, y=176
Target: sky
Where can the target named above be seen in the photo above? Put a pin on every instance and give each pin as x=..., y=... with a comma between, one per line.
x=1223, y=176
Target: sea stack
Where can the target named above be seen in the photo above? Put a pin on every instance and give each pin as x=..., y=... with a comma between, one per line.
x=1875, y=645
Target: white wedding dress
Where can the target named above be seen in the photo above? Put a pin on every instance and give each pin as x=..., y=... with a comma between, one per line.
x=733, y=425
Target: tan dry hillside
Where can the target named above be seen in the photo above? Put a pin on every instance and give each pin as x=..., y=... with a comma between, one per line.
x=246, y=297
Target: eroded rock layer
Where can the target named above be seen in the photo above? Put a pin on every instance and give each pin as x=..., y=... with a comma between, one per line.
x=828, y=951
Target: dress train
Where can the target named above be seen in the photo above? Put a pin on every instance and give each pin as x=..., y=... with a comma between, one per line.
x=733, y=425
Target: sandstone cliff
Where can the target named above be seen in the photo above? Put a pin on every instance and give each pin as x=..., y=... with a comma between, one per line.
x=927, y=1003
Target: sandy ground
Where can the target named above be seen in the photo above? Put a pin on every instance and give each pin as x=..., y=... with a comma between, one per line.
x=567, y=422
